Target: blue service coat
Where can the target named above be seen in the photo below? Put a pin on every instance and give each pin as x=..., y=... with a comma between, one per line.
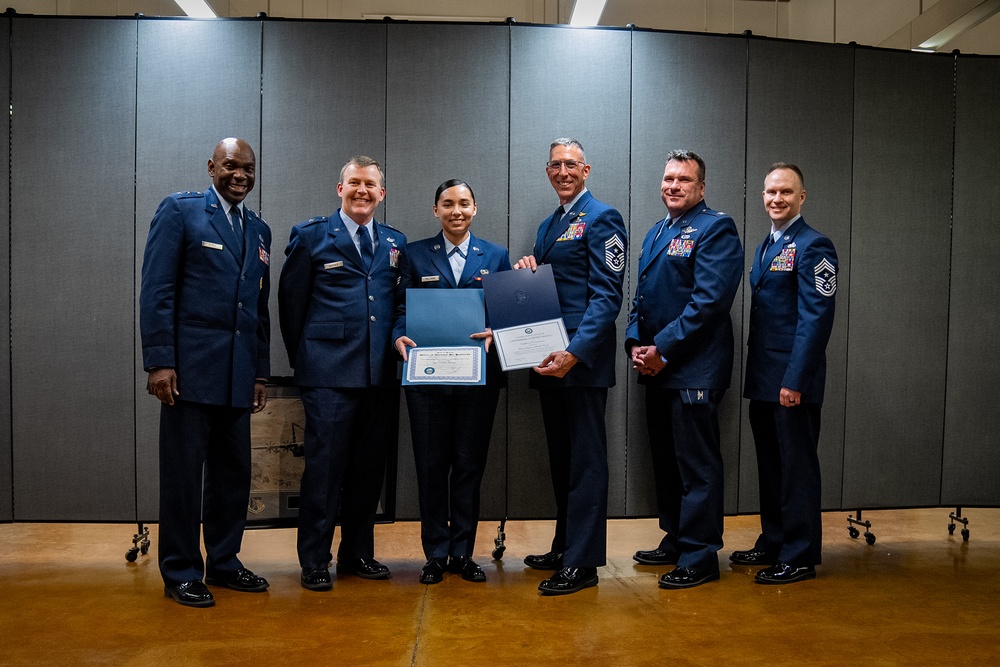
x=203, y=309
x=791, y=315
x=687, y=280
x=336, y=317
x=425, y=265
x=587, y=250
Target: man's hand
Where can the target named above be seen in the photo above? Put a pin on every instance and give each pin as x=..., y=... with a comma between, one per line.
x=404, y=342
x=526, y=262
x=162, y=383
x=648, y=360
x=557, y=364
x=789, y=398
x=259, y=396
x=486, y=335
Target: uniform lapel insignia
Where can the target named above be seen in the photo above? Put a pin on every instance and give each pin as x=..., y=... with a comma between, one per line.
x=437, y=246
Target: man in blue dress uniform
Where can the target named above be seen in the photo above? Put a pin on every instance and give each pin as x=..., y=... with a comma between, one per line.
x=793, y=281
x=680, y=340
x=586, y=244
x=205, y=329
x=337, y=295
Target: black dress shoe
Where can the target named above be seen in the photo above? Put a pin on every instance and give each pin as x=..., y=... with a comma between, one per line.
x=190, y=594
x=569, y=580
x=752, y=557
x=366, y=568
x=783, y=573
x=242, y=580
x=548, y=561
x=655, y=556
x=316, y=578
x=433, y=571
x=687, y=577
x=466, y=567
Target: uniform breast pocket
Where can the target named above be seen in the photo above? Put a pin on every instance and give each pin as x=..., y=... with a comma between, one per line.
x=325, y=330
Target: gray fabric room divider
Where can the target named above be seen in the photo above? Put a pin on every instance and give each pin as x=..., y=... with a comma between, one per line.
x=971, y=458
x=71, y=242
x=111, y=115
x=898, y=313
x=6, y=477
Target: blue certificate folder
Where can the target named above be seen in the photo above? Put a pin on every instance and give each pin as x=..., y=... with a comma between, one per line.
x=514, y=298
x=446, y=318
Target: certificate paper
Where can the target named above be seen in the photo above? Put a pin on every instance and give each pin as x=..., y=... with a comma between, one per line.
x=440, y=322
x=443, y=365
x=527, y=345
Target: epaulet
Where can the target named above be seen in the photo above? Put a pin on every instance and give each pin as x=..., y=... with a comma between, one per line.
x=388, y=226
x=313, y=221
x=187, y=194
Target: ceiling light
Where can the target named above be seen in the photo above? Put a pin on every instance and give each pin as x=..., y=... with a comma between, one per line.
x=587, y=12
x=196, y=8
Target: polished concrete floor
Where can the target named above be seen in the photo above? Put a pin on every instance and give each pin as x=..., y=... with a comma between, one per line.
x=917, y=596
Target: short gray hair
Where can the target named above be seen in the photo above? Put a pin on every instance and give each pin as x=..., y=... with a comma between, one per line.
x=564, y=141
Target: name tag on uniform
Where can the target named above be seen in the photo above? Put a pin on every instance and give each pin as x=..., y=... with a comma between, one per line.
x=213, y=246
x=681, y=247
x=429, y=279
x=333, y=265
x=784, y=261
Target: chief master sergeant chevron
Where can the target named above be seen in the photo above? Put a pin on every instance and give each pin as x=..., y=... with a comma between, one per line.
x=205, y=329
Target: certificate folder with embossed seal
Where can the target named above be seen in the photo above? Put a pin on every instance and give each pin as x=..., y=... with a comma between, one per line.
x=524, y=314
x=440, y=321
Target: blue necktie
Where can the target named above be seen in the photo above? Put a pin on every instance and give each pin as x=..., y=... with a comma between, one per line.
x=554, y=228
x=236, y=220
x=365, y=241
x=767, y=247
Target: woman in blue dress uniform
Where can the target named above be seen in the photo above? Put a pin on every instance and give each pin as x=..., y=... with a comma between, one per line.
x=451, y=425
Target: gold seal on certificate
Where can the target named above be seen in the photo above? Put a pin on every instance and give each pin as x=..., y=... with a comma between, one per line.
x=525, y=346
x=444, y=365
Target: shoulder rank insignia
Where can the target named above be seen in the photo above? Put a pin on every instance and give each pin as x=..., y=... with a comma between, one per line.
x=826, y=277
x=614, y=253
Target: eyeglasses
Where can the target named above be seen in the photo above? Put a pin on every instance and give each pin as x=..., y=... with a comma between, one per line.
x=556, y=165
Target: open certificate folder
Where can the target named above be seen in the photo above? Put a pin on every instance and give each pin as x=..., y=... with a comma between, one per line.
x=525, y=316
x=440, y=322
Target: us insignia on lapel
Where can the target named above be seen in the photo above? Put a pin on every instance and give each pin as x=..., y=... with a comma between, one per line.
x=614, y=254
x=483, y=272
x=826, y=277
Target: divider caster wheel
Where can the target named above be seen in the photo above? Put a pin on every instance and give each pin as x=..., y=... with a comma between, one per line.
x=853, y=532
x=965, y=534
x=132, y=554
x=951, y=528
x=870, y=538
x=498, y=553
